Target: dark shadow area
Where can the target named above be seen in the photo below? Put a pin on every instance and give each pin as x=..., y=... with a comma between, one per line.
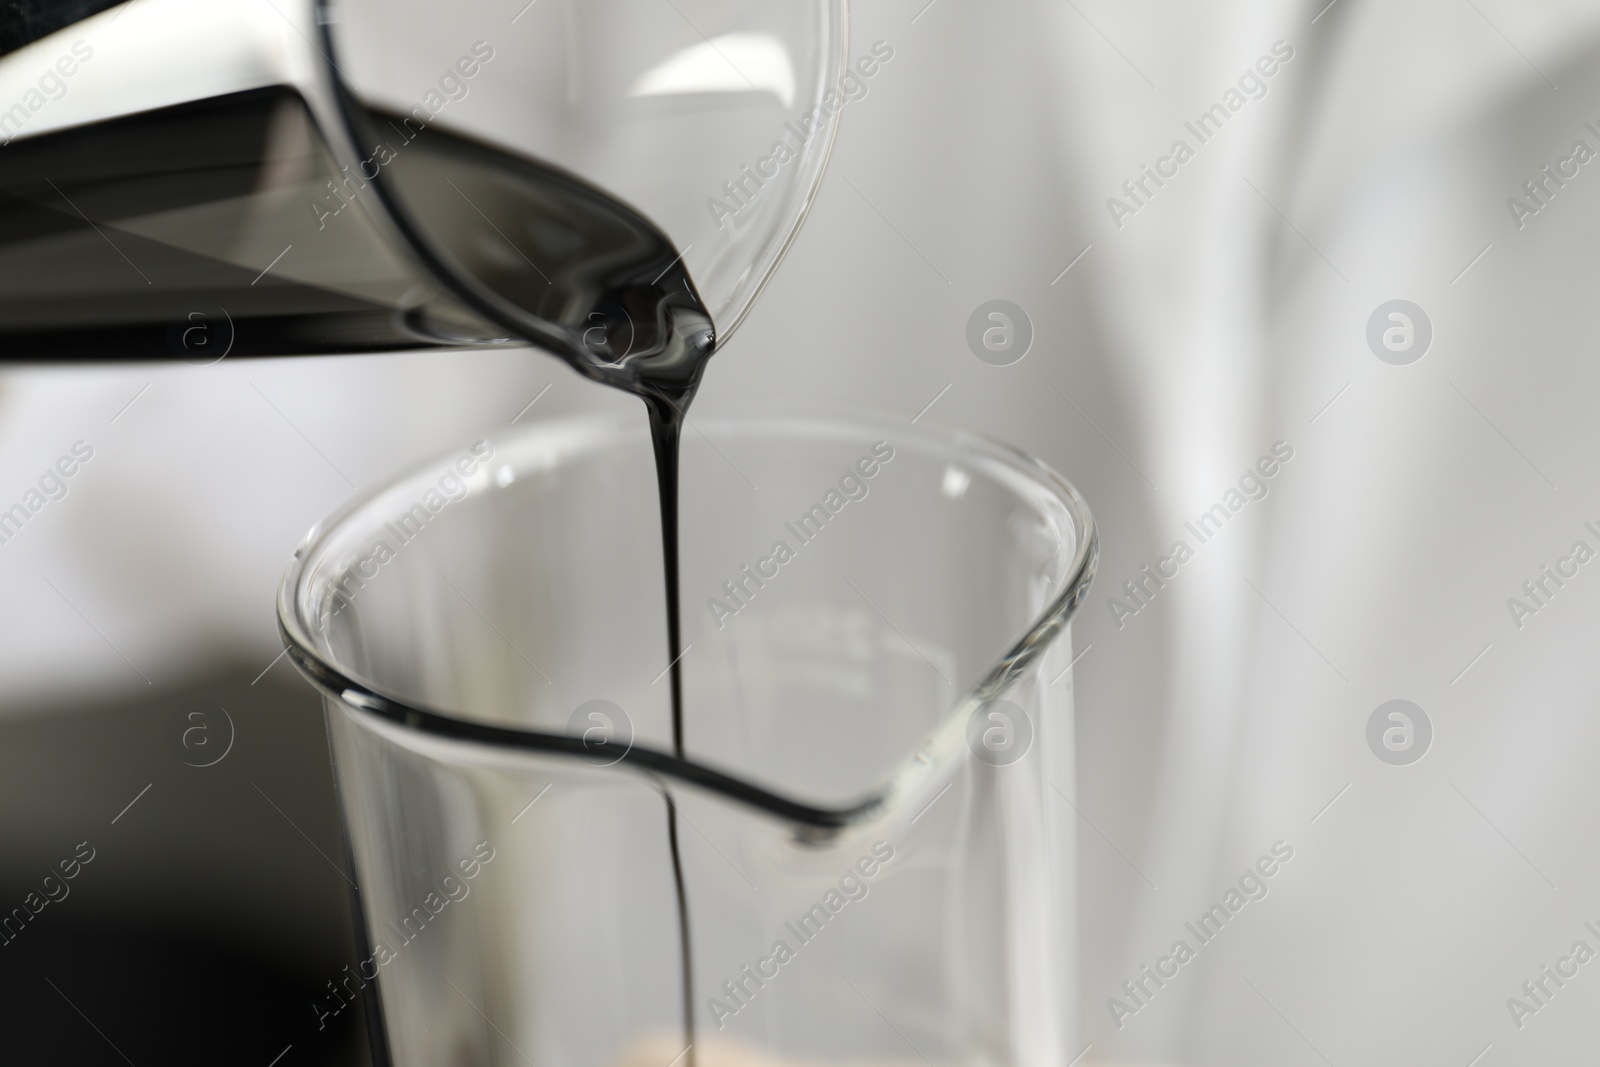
x=213, y=904
x=23, y=21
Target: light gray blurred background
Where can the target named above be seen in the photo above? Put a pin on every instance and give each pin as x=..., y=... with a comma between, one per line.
x=1229, y=313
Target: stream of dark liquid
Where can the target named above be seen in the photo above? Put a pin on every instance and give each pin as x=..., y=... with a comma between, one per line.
x=119, y=241
x=604, y=288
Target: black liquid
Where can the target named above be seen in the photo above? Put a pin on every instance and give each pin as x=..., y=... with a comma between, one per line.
x=121, y=240
x=598, y=284
x=85, y=275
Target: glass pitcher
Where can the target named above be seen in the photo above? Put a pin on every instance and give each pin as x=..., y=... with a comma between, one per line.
x=864, y=856
x=198, y=179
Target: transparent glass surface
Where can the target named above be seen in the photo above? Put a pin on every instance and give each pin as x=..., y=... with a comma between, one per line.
x=611, y=180
x=872, y=827
x=712, y=119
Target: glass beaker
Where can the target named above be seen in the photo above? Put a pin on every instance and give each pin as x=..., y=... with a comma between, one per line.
x=861, y=858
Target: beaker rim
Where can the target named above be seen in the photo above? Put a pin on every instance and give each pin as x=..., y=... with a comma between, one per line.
x=945, y=744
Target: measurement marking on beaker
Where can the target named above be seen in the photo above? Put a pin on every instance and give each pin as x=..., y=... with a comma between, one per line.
x=131, y=803
x=531, y=803
x=930, y=804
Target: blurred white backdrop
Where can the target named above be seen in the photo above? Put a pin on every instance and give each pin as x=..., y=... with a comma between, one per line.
x=1230, y=312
